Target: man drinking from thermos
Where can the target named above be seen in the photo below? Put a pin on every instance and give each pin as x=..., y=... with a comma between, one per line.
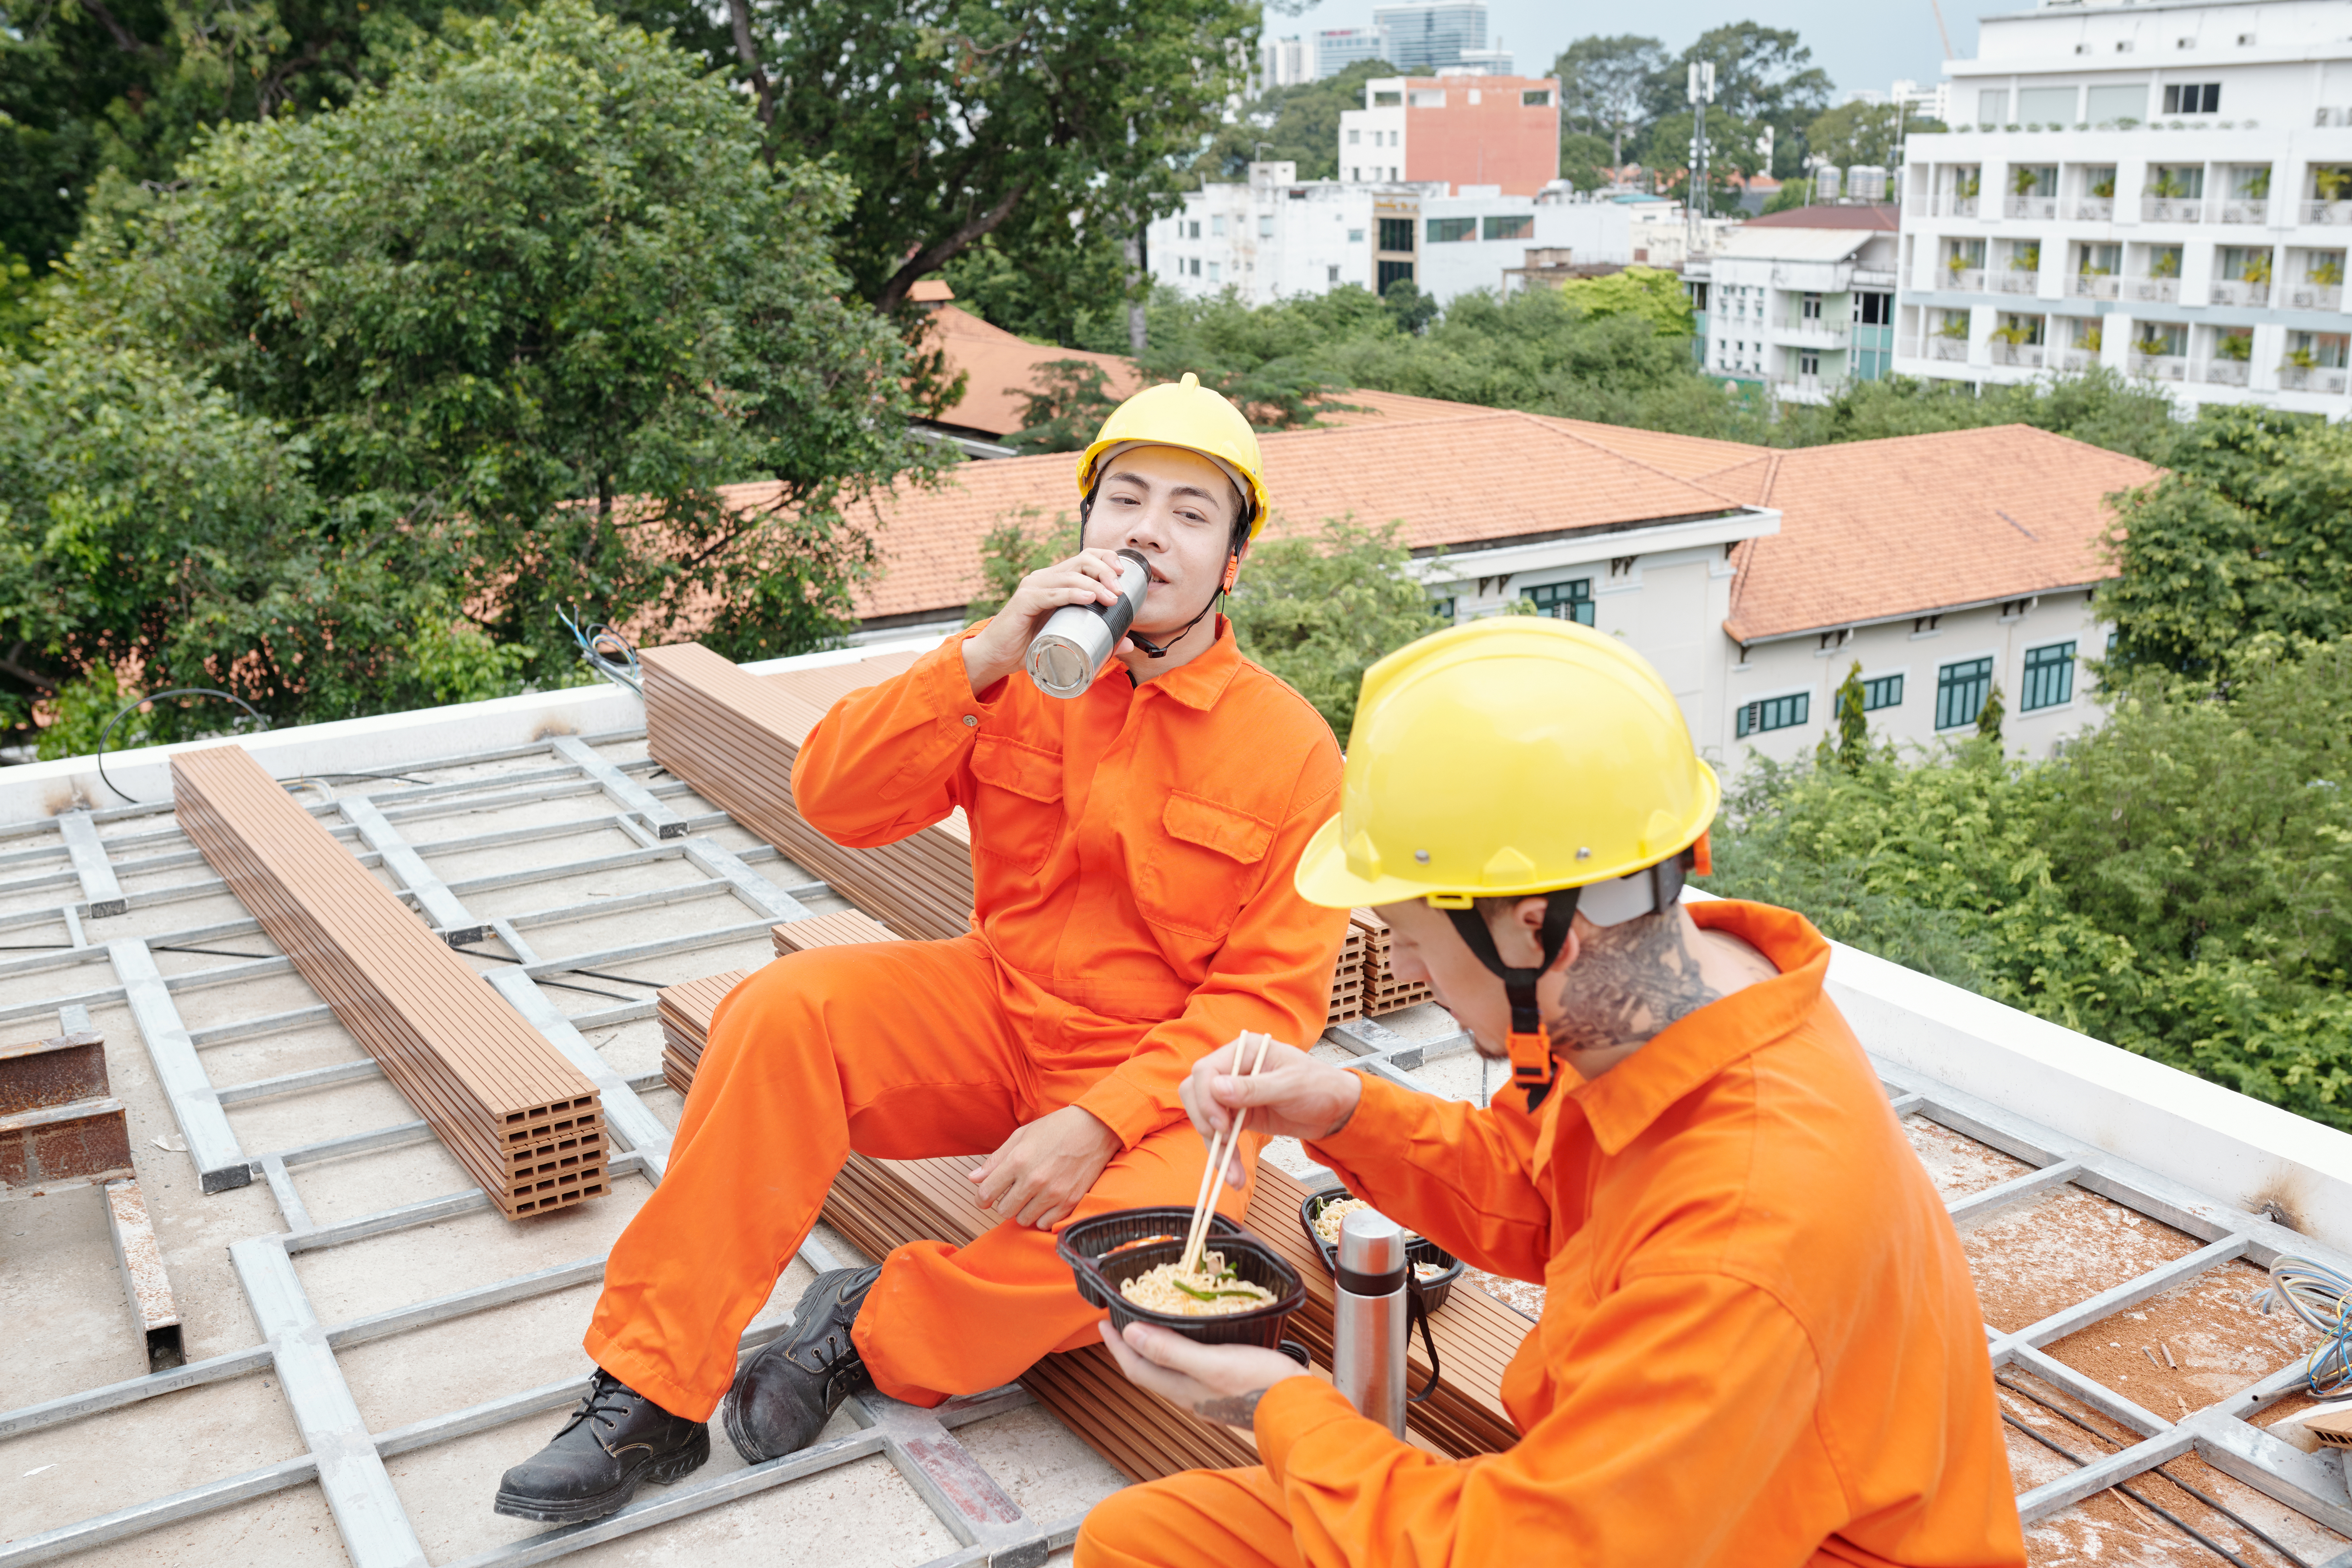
x=1133, y=840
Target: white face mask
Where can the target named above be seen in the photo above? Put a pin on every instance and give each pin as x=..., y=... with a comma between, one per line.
x=1621, y=899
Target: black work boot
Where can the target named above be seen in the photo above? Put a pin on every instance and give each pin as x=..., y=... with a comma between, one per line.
x=790, y=1388
x=616, y=1439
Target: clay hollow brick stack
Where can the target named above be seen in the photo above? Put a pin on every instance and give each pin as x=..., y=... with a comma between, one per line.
x=525, y=1123
x=1383, y=992
x=1347, y=980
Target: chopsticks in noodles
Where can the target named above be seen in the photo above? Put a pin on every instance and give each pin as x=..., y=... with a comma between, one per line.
x=1220, y=1150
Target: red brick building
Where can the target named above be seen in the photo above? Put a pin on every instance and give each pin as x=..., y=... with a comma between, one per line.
x=1501, y=131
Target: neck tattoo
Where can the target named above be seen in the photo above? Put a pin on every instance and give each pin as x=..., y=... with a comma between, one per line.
x=1628, y=983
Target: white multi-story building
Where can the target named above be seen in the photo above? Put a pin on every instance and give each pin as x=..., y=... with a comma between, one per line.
x=1279, y=236
x=1283, y=62
x=2165, y=190
x=1800, y=302
x=1337, y=48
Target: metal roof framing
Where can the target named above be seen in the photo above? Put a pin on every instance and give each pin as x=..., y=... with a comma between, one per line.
x=346, y=1459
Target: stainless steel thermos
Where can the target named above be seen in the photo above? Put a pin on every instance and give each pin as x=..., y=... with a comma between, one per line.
x=1369, y=1319
x=1065, y=658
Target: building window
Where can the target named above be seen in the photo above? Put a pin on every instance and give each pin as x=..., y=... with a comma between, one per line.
x=1775, y=713
x=2048, y=676
x=1535, y=97
x=1266, y=226
x=1355, y=138
x=1196, y=267
x=1564, y=601
x=1960, y=692
x=1332, y=273
x=1387, y=99
x=2192, y=98
x=1195, y=226
x=1875, y=310
x=1429, y=98
x=1809, y=365
x=1215, y=272
x=1810, y=308
x=1442, y=608
x=1356, y=174
x=1393, y=273
x=1217, y=227
x=1882, y=692
x=1355, y=236
x=1452, y=230
x=1511, y=225
x=1396, y=234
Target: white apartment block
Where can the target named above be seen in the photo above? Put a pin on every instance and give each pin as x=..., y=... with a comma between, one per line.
x=1799, y=312
x=2165, y=190
x=1279, y=236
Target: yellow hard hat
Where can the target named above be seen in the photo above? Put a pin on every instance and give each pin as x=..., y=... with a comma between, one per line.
x=1184, y=414
x=1514, y=755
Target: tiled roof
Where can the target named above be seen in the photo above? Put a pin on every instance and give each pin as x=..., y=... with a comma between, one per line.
x=1916, y=525
x=1684, y=456
x=999, y=367
x=1881, y=217
x=1478, y=475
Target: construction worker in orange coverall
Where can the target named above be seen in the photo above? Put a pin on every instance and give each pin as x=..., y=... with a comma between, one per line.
x=1759, y=1343
x=1132, y=849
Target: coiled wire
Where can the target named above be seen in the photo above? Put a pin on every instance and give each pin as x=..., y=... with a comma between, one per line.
x=606, y=652
x=2321, y=1296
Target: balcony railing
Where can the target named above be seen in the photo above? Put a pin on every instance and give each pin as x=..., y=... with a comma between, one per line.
x=2225, y=372
x=2171, y=209
x=2095, y=209
x=2245, y=209
x=2310, y=378
x=1948, y=348
x=1951, y=206
x=2161, y=367
x=2153, y=290
x=2095, y=286
x=2239, y=293
x=2031, y=206
x=2026, y=354
x=1967, y=279
x=1818, y=330
x=2314, y=297
x=2077, y=359
x=2015, y=282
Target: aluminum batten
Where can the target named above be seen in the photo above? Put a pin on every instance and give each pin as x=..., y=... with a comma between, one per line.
x=346, y=1461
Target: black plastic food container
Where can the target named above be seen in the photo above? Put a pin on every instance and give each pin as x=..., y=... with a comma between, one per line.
x=1419, y=1250
x=1088, y=1249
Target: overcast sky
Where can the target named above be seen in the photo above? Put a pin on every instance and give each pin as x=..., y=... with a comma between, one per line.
x=1860, y=45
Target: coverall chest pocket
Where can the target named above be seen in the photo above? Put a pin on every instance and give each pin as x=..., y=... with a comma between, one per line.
x=1191, y=875
x=1016, y=808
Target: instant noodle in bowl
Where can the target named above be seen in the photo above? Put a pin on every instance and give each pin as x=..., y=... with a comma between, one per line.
x=1212, y=1290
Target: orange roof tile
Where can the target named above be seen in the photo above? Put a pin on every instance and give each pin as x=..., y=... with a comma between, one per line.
x=1486, y=474
x=1914, y=524
x=1000, y=367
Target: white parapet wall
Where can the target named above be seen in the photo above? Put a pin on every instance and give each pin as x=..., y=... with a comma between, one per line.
x=2232, y=1148
x=380, y=742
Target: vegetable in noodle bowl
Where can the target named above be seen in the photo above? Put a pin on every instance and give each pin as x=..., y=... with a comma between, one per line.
x=1212, y=1290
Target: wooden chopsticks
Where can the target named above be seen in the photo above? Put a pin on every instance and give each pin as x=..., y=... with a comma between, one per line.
x=1221, y=1148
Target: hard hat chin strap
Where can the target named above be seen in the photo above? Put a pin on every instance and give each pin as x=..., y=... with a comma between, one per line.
x=1532, y=1067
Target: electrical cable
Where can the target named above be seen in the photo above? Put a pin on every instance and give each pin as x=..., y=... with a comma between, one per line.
x=2241, y=1521
x=2165, y=1515
x=590, y=990
x=607, y=652
x=158, y=697
x=2322, y=1298
x=214, y=951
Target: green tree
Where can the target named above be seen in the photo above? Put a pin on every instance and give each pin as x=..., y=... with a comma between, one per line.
x=1989, y=716
x=1868, y=133
x=1851, y=723
x=2244, y=549
x=1021, y=543
x=1763, y=76
x=950, y=119
x=1297, y=124
x=538, y=297
x=1318, y=609
x=1792, y=193
x=1650, y=294
x=1604, y=90
x=2098, y=406
x=1063, y=409
x=1586, y=160
x=1735, y=152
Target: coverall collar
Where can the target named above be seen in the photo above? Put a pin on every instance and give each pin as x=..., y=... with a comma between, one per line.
x=1621, y=1104
x=1197, y=683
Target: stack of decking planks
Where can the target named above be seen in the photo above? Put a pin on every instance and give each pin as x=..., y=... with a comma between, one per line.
x=879, y=1205
x=525, y=1123
x=733, y=736
x=1383, y=992
x=843, y=928
x=685, y=1014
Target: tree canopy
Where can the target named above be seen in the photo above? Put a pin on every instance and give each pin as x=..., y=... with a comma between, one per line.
x=1605, y=90
x=502, y=326
x=1867, y=133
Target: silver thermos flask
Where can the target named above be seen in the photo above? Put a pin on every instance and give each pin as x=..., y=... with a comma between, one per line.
x=1065, y=658
x=1368, y=1318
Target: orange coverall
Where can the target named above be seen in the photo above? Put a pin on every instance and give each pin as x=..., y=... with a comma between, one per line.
x=1760, y=1346
x=1132, y=851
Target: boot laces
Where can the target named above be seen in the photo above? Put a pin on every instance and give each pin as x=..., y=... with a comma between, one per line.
x=608, y=1401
